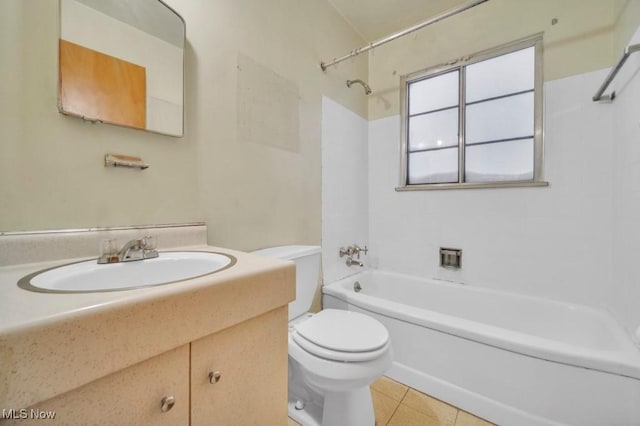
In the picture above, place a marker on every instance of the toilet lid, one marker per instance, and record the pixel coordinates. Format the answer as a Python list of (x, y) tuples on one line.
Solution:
[(343, 331), (342, 356)]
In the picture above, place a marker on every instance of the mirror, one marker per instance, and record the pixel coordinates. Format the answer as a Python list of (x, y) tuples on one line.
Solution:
[(122, 62)]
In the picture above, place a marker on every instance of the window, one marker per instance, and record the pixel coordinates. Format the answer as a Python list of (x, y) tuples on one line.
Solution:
[(476, 122)]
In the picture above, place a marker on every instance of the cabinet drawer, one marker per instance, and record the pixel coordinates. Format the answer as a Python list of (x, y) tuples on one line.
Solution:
[(130, 396)]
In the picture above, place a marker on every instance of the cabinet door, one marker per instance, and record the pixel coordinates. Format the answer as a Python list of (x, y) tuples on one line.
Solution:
[(251, 359), (128, 397)]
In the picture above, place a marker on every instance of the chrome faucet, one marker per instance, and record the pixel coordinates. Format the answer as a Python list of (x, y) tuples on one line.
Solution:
[(357, 249), (137, 249), (353, 250), (353, 262)]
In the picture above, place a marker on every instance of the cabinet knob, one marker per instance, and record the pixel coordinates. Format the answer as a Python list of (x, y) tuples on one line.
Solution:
[(167, 403), (214, 377)]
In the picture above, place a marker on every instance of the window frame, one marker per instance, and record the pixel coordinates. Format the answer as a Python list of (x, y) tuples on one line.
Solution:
[(460, 64)]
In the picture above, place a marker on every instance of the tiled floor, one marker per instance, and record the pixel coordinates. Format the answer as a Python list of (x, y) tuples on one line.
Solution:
[(397, 404)]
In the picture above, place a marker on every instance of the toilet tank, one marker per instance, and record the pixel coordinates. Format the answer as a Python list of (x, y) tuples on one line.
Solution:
[(307, 260)]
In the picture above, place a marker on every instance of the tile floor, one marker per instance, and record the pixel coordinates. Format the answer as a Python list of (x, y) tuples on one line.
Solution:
[(397, 404)]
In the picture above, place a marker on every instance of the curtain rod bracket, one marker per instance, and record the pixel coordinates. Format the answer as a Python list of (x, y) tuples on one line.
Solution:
[(633, 48)]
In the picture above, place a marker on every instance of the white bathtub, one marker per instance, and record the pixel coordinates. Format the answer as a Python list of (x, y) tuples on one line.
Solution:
[(512, 359)]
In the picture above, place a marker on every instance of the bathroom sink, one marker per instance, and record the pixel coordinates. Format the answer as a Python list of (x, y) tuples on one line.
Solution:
[(89, 276)]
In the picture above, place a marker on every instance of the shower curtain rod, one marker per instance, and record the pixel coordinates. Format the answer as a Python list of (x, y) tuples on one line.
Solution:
[(633, 48), (402, 33)]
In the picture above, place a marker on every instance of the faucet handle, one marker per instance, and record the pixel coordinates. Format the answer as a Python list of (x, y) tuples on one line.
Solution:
[(356, 249), (346, 251), (149, 245), (108, 247), (148, 242), (108, 251)]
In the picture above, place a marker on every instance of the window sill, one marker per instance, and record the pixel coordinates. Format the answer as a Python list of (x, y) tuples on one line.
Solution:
[(470, 185)]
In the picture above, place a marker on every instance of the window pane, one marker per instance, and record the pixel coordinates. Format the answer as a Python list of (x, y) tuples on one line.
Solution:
[(440, 166), (433, 130), (433, 93), (503, 118), (510, 73), (496, 162)]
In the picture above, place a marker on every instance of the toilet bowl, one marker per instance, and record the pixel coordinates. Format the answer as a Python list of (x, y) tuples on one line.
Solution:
[(342, 364), (334, 355)]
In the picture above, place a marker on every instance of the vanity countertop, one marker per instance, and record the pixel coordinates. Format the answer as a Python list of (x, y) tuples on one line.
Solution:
[(21, 309), (44, 336)]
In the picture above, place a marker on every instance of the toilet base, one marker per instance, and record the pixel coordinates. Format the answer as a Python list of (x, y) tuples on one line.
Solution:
[(353, 408), (310, 415), (299, 390)]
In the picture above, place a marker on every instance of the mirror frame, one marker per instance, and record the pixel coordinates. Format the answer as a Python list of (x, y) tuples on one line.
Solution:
[(97, 120)]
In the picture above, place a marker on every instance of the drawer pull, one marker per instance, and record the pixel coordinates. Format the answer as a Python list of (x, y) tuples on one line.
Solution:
[(214, 377), (167, 403)]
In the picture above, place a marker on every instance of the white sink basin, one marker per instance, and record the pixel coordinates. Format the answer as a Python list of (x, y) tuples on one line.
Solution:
[(89, 276)]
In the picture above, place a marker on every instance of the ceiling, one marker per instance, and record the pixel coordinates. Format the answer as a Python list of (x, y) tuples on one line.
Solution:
[(375, 19)]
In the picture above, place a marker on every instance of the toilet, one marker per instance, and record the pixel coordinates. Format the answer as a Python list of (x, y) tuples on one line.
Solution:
[(334, 355)]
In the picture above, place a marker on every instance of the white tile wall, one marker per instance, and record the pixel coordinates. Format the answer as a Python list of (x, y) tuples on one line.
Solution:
[(626, 183), (553, 242), (344, 187), (577, 240)]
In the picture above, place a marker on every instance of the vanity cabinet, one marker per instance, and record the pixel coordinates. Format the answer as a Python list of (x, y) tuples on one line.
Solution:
[(239, 375), (112, 357), (236, 376)]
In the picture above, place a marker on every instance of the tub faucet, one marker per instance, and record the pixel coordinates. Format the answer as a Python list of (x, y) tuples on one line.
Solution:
[(352, 262), (136, 249), (351, 251), (357, 249)]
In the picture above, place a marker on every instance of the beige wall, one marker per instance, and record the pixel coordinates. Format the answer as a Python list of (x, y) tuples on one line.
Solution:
[(253, 194), (250, 194), (627, 20), (581, 41), (51, 166)]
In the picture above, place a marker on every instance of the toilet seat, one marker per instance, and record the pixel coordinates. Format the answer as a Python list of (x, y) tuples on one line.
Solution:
[(342, 336), (329, 354)]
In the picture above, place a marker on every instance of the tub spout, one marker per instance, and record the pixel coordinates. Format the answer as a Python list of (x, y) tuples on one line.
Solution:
[(353, 262)]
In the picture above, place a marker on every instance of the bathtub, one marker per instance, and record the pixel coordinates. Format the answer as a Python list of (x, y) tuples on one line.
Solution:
[(512, 359)]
